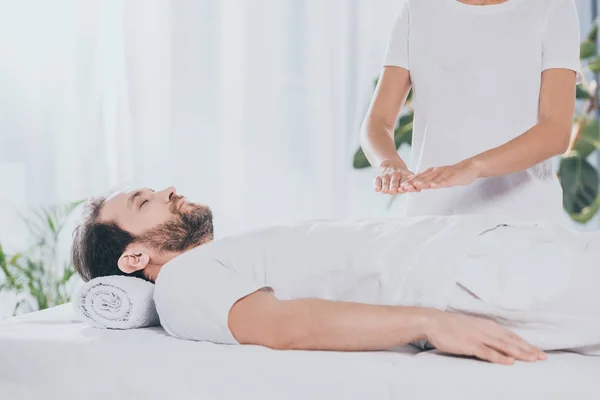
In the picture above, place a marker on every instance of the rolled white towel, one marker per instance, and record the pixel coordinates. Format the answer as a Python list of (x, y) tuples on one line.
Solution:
[(117, 302)]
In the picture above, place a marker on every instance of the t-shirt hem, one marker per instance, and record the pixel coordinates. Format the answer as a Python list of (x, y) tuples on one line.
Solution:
[(396, 64), (576, 68)]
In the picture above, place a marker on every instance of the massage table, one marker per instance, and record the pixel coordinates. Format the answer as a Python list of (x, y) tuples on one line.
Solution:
[(51, 355)]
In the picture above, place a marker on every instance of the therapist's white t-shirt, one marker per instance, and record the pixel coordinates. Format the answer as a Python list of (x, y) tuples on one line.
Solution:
[(476, 76), (411, 262)]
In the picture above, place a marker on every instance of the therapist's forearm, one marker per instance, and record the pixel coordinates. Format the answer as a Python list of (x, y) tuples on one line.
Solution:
[(543, 141), (377, 142), (342, 326)]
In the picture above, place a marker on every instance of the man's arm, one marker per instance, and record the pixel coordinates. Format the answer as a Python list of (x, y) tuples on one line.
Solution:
[(548, 138), (315, 324)]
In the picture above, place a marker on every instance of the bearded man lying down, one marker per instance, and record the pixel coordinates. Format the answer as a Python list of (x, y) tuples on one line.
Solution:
[(469, 285)]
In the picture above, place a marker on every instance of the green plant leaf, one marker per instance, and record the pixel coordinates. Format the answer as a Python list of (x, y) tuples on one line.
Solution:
[(5, 267), (587, 213), (32, 271), (581, 93), (360, 160), (2, 256), (580, 183), (14, 259), (28, 272), (51, 224), (594, 65), (68, 273), (589, 140), (410, 96), (593, 35), (587, 49), (403, 132)]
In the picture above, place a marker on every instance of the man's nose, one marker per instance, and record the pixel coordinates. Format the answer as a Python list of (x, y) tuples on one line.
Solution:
[(168, 193)]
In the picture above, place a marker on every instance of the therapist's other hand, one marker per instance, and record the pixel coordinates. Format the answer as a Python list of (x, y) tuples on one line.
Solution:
[(392, 174), (478, 337), (461, 174)]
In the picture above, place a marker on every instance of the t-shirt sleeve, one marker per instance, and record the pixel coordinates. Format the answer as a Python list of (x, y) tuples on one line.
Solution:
[(397, 49), (193, 300), (561, 38)]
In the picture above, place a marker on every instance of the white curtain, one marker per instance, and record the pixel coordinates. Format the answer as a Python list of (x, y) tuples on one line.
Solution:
[(266, 101), (251, 106)]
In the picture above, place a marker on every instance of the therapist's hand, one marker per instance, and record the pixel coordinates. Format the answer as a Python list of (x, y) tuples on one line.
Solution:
[(461, 174), (392, 174), (481, 338)]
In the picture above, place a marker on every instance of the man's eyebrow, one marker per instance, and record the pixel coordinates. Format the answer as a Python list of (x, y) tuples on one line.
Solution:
[(132, 198)]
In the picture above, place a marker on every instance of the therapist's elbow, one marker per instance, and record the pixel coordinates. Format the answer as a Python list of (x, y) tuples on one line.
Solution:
[(365, 137), (559, 133), (562, 142)]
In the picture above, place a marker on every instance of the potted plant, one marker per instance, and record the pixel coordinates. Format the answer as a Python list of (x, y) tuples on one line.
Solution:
[(35, 275)]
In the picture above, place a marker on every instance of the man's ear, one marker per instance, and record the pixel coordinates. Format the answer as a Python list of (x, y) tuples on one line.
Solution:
[(134, 258)]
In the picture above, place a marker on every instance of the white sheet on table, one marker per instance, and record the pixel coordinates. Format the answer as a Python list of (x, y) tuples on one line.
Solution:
[(51, 355)]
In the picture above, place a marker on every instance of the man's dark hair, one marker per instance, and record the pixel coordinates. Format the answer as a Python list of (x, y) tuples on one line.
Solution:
[(98, 245)]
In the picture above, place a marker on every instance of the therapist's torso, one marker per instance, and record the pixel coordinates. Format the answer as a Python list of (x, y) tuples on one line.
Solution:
[(476, 76)]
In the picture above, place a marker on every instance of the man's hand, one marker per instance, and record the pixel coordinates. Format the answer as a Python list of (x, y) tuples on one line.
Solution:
[(463, 173), (392, 174), (481, 338)]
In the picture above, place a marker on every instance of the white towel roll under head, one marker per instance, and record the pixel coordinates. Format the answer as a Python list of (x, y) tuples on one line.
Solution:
[(117, 302)]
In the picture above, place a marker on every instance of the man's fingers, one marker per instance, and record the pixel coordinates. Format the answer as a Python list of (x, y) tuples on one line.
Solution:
[(511, 350), (524, 345), (489, 354)]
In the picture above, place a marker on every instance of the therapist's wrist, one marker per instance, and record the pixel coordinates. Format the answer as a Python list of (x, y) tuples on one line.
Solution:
[(477, 166), (395, 163)]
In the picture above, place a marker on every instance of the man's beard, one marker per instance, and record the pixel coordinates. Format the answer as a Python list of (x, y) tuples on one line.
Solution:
[(187, 230)]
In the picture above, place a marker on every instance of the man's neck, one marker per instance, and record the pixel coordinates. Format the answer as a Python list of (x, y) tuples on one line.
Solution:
[(156, 263)]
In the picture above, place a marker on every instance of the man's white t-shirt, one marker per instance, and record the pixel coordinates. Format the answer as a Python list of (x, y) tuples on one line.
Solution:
[(410, 262), (476, 75)]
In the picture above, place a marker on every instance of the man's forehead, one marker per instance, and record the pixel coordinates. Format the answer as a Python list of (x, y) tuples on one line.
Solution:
[(123, 194), (116, 204)]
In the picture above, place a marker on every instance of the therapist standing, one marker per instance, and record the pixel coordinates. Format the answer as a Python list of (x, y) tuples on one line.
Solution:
[(494, 97)]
